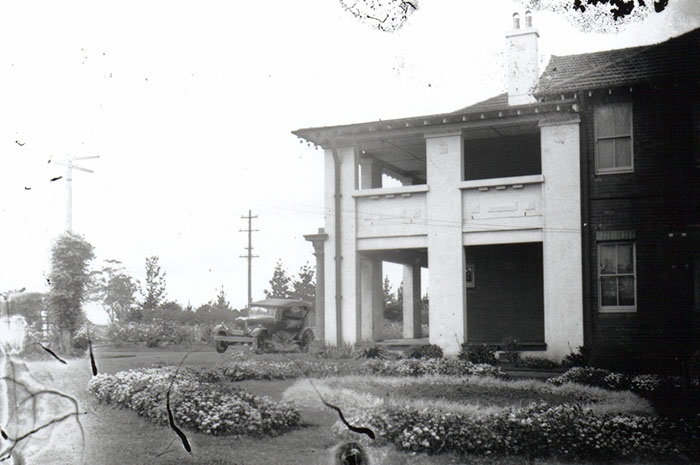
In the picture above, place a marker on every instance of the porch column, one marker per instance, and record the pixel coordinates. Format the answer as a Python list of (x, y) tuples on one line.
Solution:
[(411, 302), (341, 325), (372, 296), (561, 244), (448, 300), (317, 240), (370, 174)]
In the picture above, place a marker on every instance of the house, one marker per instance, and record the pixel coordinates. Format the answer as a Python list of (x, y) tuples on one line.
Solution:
[(559, 214)]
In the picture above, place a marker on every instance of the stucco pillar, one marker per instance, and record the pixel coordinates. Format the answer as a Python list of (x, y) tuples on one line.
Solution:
[(317, 240), (372, 296), (411, 302), (561, 245), (342, 325), (370, 174), (448, 300)]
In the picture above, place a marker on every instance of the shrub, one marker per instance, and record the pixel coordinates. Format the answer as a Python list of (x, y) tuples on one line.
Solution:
[(590, 377), (197, 404), (537, 363), (371, 352), (478, 353), (424, 351), (326, 351), (579, 358), (536, 430), (151, 334)]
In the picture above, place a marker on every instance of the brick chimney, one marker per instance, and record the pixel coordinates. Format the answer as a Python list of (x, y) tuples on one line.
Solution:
[(523, 68)]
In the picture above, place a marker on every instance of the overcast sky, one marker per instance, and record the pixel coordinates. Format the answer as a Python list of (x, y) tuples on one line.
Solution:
[(190, 106)]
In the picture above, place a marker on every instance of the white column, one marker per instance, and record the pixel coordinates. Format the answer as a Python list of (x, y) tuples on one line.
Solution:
[(562, 259), (372, 299), (411, 302), (349, 267), (448, 300)]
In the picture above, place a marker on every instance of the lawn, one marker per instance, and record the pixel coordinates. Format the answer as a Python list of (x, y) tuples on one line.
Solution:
[(117, 436)]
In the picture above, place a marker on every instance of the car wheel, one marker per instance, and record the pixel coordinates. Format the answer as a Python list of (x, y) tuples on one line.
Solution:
[(262, 342), (220, 346), (306, 340)]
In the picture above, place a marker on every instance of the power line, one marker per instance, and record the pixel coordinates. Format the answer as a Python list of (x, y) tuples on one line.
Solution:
[(249, 255)]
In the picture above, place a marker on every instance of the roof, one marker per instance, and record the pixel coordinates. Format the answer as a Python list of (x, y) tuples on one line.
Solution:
[(497, 102), (679, 56), (281, 303)]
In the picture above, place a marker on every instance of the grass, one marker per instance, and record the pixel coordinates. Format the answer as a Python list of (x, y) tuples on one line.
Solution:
[(114, 436)]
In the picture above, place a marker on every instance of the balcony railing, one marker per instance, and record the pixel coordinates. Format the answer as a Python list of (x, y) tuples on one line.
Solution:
[(502, 204), (391, 212)]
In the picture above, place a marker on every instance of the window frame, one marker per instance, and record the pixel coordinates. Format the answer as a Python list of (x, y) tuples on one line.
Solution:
[(596, 139), (616, 308), (696, 135)]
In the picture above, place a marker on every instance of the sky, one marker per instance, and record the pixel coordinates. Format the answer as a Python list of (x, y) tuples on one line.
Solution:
[(190, 107)]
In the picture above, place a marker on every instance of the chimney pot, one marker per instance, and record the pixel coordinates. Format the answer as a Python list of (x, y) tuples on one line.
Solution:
[(516, 21)]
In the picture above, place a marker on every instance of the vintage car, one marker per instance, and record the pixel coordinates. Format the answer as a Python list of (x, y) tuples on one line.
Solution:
[(270, 322)]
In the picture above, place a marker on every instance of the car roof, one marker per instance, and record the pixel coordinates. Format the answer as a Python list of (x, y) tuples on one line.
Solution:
[(281, 303)]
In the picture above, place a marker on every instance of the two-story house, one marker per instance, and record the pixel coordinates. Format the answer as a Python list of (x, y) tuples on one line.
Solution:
[(535, 211)]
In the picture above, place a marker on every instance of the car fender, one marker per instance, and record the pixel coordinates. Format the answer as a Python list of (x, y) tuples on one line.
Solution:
[(219, 328), (258, 331), (305, 331)]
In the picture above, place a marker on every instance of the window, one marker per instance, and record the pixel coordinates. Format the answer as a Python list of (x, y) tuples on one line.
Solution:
[(617, 277), (613, 138)]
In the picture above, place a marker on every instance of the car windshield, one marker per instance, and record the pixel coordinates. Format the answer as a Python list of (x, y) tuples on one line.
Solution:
[(261, 311)]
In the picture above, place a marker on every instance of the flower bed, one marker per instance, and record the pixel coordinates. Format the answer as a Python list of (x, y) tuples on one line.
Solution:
[(291, 369), (537, 430), (205, 407)]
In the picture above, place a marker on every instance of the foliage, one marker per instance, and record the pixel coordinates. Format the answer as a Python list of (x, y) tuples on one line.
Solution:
[(536, 430), (579, 358), (320, 349), (113, 286), (372, 351), (29, 305), (393, 307), (153, 334), (536, 363), (210, 408), (69, 278), (279, 283), (424, 351), (477, 353), (220, 303), (592, 377), (510, 352), (154, 291), (304, 286)]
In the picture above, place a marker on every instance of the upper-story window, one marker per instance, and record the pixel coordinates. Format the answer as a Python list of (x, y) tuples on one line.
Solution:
[(613, 138)]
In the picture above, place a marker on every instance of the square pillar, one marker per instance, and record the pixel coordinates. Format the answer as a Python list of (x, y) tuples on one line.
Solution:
[(411, 302), (561, 244), (372, 295), (342, 323), (370, 174), (448, 299)]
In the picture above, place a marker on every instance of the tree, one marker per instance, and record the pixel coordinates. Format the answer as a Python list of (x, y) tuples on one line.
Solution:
[(29, 305), (304, 286), (220, 303), (393, 310), (113, 286), (69, 278), (154, 291), (279, 284)]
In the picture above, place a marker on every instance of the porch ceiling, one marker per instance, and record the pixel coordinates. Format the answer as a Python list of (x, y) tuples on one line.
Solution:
[(402, 256)]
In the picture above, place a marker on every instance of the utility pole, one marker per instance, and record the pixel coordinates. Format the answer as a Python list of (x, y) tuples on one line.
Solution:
[(249, 255), (70, 166)]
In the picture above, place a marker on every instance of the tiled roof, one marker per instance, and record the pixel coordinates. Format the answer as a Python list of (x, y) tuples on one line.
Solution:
[(493, 103), (679, 56)]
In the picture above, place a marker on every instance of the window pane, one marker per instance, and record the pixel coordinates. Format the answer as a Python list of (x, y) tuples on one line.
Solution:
[(608, 292), (605, 121), (626, 290), (606, 154), (623, 120), (625, 261), (607, 259), (623, 153)]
